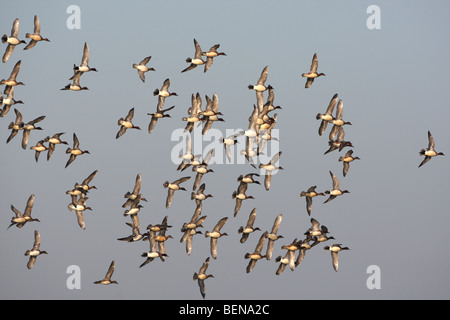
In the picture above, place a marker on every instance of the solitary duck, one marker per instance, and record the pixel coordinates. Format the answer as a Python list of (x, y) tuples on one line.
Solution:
[(260, 87), (84, 66), (249, 228), (142, 68), (19, 220), (52, 142), (200, 195), (346, 160), (38, 148), (201, 276), (12, 41), (160, 113), (172, 187), (197, 60), (256, 255), (328, 115), (75, 151), (215, 234), (27, 127), (430, 151), (11, 81), (335, 249), (35, 251), (154, 252), (309, 195), (107, 279), (269, 167), (335, 191), (36, 35), (8, 101), (211, 54), (15, 126), (131, 196), (126, 123), (163, 93), (338, 121), (240, 195), (312, 74), (273, 236)]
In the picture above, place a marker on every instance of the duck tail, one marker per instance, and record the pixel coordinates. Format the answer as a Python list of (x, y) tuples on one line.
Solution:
[(422, 152), (4, 38)]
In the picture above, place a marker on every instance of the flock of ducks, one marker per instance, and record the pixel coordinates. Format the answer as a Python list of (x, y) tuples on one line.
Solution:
[(261, 123)]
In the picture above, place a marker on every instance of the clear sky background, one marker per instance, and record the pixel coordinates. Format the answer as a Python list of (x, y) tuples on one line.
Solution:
[(393, 82)]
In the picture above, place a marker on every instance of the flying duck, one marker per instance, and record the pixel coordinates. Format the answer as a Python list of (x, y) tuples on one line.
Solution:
[(8, 102), (27, 127), (84, 66), (130, 196), (19, 220), (346, 160), (335, 249), (36, 35), (312, 74), (211, 54), (11, 81), (249, 228), (201, 276), (260, 87), (75, 150), (328, 115), (430, 151), (38, 148), (273, 236), (107, 279), (202, 169), (12, 41), (197, 60), (15, 126), (126, 123), (142, 68), (35, 251), (269, 167), (335, 191), (338, 121), (160, 113), (215, 234), (256, 255), (240, 195), (309, 194), (52, 142), (172, 187)]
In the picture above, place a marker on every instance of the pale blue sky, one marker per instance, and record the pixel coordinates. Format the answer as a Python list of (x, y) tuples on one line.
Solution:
[(393, 84)]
